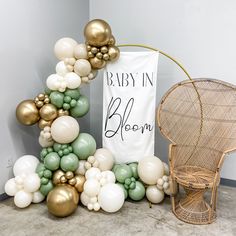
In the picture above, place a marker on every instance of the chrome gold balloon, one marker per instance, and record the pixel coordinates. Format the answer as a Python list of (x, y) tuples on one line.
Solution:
[(80, 179), (97, 63), (112, 41), (43, 123), (62, 112), (97, 32), (113, 53), (27, 113), (62, 200), (56, 179), (48, 112)]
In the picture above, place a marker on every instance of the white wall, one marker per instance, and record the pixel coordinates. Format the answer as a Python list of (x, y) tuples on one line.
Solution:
[(29, 29), (199, 33)]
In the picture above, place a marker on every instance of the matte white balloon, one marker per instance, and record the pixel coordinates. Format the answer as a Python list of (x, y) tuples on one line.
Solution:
[(84, 199), (64, 48), (154, 195), (23, 199), (110, 176), (105, 158), (11, 187), (65, 129), (92, 173), (53, 81), (32, 183), (37, 197), (73, 81), (91, 187), (61, 68), (166, 169), (82, 67), (26, 164), (111, 197), (150, 169), (81, 169), (80, 51)]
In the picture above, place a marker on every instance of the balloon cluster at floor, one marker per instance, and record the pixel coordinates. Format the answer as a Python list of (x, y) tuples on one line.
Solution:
[(71, 168)]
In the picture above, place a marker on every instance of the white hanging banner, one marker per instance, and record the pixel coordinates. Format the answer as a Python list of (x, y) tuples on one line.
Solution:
[(129, 105)]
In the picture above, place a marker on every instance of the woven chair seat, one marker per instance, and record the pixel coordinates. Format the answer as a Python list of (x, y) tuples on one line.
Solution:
[(194, 177)]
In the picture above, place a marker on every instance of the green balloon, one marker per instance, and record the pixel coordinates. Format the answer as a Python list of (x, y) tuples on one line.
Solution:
[(46, 188), (125, 191), (47, 174), (73, 93), (134, 169), (81, 108), (56, 99), (57, 147), (47, 90), (44, 180), (84, 146), (138, 193), (123, 172), (52, 161), (69, 162), (40, 167), (115, 167)]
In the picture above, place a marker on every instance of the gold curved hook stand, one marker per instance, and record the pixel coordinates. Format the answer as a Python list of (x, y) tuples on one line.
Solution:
[(161, 52)]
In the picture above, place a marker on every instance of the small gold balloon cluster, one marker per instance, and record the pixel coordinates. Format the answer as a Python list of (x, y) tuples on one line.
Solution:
[(41, 99), (100, 43), (61, 177)]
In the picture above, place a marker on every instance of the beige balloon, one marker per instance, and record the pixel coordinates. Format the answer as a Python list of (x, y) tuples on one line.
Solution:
[(105, 159), (64, 48), (82, 67), (154, 195), (80, 51)]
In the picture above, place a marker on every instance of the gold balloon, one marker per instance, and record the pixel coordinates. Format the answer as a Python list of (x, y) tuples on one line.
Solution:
[(80, 179), (97, 32), (97, 63), (62, 200), (56, 179), (27, 112), (72, 181), (69, 174), (113, 53), (43, 123), (48, 112), (62, 112), (112, 41), (63, 179)]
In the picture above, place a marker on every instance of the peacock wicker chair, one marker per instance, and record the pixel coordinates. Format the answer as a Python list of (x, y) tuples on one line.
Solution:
[(199, 118)]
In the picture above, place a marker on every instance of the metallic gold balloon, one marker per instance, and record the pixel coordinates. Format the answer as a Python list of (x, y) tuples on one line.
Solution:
[(72, 181), (69, 174), (63, 179), (56, 179), (62, 200), (43, 123), (112, 41), (105, 57), (99, 55), (27, 112), (62, 112), (97, 32), (97, 63), (80, 179), (113, 53), (104, 49), (48, 112)]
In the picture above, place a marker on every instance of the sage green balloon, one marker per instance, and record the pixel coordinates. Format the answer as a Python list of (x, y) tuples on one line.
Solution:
[(115, 167), (46, 188), (73, 93), (138, 193), (52, 161), (81, 108), (134, 169), (123, 172), (57, 147), (69, 162), (40, 168), (125, 191), (56, 99), (84, 146)]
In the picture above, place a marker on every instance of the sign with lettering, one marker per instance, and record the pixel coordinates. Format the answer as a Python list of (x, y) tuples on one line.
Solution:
[(129, 103)]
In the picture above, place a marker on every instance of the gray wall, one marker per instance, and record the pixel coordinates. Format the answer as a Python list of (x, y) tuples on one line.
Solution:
[(199, 33), (29, 29)]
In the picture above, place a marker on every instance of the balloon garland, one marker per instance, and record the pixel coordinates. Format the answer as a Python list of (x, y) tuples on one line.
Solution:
[(71, 166)]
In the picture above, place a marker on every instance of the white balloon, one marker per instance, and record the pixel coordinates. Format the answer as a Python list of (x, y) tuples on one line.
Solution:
[(19, 179), (32, 183), (81, 169), (73, 81), (150, 169), (45, 142), (111, 197), (105, 158), (110, 176), (23, 199), (64, 48), (154, 195), (166, 169), (84, 199), (91, 187), (92, 173), (53, 81), (61, 68), (37, 197), (82, 67), (80, 51), (11, 187), (96, 206), (65, 129), (26, 164)]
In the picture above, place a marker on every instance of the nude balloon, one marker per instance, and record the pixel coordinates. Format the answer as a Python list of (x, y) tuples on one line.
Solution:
[(105, 159), (23, 199), (64, 48), (154, 195), (80, 51)]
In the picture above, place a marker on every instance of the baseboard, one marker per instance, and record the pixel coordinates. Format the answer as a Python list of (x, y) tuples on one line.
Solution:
[(228, 182)]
